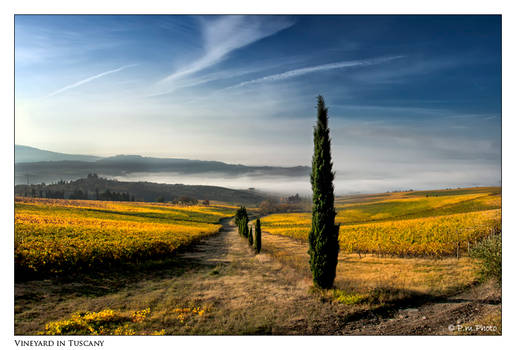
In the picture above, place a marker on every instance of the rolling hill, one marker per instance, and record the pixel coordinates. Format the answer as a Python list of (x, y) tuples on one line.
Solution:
[(45, 166), (27, 154), (144, 191)]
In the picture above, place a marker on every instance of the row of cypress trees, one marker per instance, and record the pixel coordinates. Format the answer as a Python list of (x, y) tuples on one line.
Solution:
[(242, 223), (242, 220)]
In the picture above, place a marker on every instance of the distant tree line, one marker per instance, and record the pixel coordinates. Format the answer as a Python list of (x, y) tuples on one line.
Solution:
[(290, 204), (292, 199), (43, 191), (185, 200), (397, 191), (54, 194), (39, 191), (143, 191), (115, 196), (78, 194)]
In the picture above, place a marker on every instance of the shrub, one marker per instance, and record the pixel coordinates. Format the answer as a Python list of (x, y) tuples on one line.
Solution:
[(489, 255)]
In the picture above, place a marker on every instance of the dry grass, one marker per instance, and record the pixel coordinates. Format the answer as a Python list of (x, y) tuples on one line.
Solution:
[(366, 274), (418, 275)]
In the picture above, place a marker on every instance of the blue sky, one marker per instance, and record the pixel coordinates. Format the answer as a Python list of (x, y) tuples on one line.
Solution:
[(413, 100)]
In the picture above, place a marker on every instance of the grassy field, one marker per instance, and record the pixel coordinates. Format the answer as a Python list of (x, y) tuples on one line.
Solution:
[(427, 223), (373, 279), (61, 236)]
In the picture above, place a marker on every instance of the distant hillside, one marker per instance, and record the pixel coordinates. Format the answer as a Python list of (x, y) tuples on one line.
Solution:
[(65, 167), (142, 191), (25, 154)]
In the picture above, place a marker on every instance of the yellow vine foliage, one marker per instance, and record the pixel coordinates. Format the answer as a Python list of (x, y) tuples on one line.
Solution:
[(56, 236), (113, 322), (391, 226), (105, 322)]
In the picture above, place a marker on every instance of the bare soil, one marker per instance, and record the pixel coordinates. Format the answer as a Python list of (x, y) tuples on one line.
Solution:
[(445, 316)]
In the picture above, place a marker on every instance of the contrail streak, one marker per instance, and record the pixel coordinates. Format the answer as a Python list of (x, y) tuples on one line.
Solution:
[(87, 80), (302, 71)]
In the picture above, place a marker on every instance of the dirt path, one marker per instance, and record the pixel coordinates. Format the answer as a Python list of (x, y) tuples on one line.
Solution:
[(255, 293), (242, 293)]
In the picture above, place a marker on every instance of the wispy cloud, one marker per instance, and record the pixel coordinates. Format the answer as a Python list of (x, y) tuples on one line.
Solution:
[(417, 66), (87, 80), (225, 34), (302, 71)]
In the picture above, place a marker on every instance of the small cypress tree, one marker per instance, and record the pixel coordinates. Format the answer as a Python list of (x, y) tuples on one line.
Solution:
[(245, 229), (324, 236), (240, 219), (250, 237), (257, 236)]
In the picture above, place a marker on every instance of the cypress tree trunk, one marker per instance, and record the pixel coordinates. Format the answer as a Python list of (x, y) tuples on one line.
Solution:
[(257, 236), (324, 235)]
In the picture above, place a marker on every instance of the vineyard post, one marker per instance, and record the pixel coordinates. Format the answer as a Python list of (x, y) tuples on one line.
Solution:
[(458, 244)]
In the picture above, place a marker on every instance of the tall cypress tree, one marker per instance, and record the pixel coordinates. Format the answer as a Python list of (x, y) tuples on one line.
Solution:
[(258, 236), (324, 235)]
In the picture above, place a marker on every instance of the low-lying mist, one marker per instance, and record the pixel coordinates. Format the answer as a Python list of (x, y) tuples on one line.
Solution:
[(267, 183), (344, 183)]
